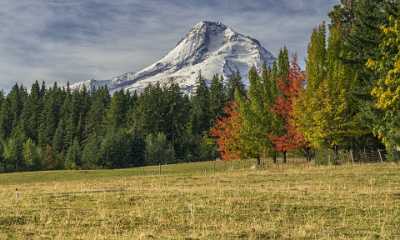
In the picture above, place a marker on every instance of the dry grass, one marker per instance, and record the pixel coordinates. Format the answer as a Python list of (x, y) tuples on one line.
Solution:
[(292, 202)]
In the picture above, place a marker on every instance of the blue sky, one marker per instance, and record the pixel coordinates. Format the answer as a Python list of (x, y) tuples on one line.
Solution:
[(72, 40)]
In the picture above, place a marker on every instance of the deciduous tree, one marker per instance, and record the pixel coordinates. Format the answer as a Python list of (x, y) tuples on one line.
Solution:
[(290, 88), (227, 132)]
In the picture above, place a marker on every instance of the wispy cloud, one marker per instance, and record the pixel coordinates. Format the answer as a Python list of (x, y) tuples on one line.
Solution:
[(56, 40)]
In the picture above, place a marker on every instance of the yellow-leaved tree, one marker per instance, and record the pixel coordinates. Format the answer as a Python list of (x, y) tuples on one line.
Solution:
[(387, 89)]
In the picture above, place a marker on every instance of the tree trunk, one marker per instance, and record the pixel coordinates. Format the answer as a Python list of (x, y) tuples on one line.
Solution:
[(284, 157), (258, 161), (307, 154), (335, 154), (274, 158)]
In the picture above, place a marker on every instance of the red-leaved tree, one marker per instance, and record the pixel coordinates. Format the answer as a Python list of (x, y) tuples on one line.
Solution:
[(227, 132), (291, 138)]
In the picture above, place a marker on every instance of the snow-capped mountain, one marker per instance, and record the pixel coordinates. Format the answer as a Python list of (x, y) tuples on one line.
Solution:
[(210, 48)]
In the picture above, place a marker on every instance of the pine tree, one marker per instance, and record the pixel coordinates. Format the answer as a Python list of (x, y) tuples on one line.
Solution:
[(31, 155), (117, 112), (5, 119), (97, 112), (16, 99), (3, 160), (11, 110), (43, 89), (50, 115), (73, 157), (11, 154), (359, 23), (363, 36), (1, 98), (13, 149), (31, 112), (117, 150), (146, 117), (234, 84), (59, 137), (159, 150), (136, 152), (82, 130), (174, 111), (91, 154), (217, 97), (200, 116), (283, 66), (69, 116), (51, 160), (208, 149)]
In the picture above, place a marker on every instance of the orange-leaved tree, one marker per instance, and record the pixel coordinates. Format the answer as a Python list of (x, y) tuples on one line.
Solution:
[(290, 138), (227, 132)]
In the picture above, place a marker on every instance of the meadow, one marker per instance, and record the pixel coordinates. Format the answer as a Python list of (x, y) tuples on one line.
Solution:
[(209, 200)]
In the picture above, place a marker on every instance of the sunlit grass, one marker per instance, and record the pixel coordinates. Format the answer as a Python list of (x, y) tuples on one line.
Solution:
[(203, 201)]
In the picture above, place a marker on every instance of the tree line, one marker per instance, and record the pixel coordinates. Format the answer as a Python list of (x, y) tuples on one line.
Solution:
[(55, 127)]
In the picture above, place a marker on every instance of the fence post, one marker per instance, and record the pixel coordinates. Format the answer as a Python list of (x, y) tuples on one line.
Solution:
[(380, 155), (159, 169), (329, 158), (215, 162), (352, 156)]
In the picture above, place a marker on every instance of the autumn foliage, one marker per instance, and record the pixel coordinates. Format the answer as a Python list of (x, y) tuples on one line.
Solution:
[(291, 138), (227, 129), (227, 132)]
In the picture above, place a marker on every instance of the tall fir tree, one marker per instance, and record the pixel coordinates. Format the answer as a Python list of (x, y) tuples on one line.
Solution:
[(159, 150), (234, 84), (97, 112), (5, 119), (73, 157), (200, 115), (217, 97), (31, 155), (91, 156), (3, 161), (50, 115), (359, 23), (118, 110), (32, 111)]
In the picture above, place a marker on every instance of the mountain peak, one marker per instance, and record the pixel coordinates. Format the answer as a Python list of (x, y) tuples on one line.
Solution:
[(209, 24), (210, 28), (210, 48)]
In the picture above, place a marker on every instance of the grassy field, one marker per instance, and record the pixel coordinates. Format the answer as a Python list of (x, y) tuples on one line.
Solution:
[(204, 201)]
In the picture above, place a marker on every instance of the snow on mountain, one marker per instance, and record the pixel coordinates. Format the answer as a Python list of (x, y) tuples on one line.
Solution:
[(91, 84), (210, 48)]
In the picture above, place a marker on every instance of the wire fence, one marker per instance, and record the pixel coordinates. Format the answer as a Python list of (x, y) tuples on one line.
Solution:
[(320, 157), (327, 156)]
